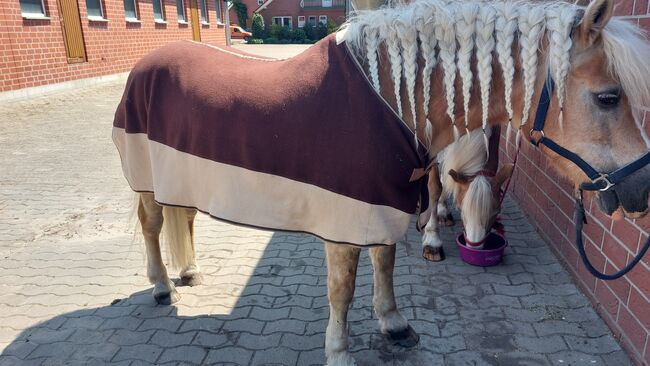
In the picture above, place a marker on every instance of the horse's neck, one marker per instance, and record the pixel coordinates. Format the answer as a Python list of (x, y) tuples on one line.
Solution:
[(442, 131)]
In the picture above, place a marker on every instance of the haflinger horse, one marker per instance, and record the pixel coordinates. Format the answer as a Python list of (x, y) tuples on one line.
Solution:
[(335, 141), (467, 173)]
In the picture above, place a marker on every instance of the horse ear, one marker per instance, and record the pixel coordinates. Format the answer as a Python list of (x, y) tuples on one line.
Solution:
[(458, 177), (502, 176), (595, 19)]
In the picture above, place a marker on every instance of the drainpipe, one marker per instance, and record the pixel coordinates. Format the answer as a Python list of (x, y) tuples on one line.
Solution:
[(227, 19)]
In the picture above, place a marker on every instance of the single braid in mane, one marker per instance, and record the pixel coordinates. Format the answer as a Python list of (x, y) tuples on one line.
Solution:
[(465, 26), (531, 28), (409, 45), (445, 34), (428, 45), (559, 21), (371, 35), (484, 46), (506, 28), (391, 40)]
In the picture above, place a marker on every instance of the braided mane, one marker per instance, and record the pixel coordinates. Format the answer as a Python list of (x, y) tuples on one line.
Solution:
[(453, 34)]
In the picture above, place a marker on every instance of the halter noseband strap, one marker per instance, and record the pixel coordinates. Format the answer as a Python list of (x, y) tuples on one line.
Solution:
[(599, 181)]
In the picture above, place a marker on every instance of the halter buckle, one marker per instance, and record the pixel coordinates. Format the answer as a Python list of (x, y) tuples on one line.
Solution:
[(532, 137), (603, 178)]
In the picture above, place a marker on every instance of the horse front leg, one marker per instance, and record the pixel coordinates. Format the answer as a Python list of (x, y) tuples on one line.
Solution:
[(191, 274), (391, 322), (151, 219), (342, 261), (431, 242)]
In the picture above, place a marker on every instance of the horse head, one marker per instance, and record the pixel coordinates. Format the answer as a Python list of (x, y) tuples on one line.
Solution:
[(601, 120)]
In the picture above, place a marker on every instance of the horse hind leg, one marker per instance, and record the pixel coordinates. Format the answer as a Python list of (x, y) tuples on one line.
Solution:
[(342, 261), (191, 274), (150, 215), (391, 322)]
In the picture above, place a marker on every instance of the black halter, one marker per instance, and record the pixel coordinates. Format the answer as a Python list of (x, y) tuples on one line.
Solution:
[(599, 181)]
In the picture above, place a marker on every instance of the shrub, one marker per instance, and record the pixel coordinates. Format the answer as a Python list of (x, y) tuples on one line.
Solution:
[(284, 33), (255, 41), (320, 31), (258, 26), (298, 35), (273, 31), (331, 26), (309, 31), (271, 40)]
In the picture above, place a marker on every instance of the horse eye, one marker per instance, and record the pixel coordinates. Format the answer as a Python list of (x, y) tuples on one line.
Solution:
[(608, 99)]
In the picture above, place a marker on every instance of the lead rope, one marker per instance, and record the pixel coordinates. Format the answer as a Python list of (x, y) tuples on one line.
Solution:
[(581, 219)]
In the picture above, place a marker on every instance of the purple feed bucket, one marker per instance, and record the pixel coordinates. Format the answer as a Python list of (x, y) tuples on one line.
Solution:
[(490, 255)]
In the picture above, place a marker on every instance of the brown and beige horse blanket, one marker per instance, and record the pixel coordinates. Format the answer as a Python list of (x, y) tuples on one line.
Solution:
[(303, 144)]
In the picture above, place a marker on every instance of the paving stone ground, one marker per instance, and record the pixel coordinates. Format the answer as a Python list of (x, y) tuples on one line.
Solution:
[(74, 291)]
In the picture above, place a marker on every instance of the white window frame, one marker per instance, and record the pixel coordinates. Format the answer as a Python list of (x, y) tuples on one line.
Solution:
[(315, 20), (41, 15), (203, 12), (320, 19), (137, 15), (101, 17), (162, 19), (219, 7), (184, 20), (283, 17), (301, 21)]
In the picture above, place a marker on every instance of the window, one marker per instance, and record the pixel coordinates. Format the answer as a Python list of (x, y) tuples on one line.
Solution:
[(260, 2), (326, 3), (218, 7), (283, 21), (204, 11), (130, 12), (32, 8), (180, 10), (312, 20), (301, 21), (95, 10), (158, 15), (322, 19)]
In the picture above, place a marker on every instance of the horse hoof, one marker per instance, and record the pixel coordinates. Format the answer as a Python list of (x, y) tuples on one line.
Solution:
[(167, 298), (433, 254), (193, 279), (406, 338)]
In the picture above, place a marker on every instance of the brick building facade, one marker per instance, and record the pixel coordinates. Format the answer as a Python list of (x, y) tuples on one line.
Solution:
[(39, 49), (547, 200), (316, 9)]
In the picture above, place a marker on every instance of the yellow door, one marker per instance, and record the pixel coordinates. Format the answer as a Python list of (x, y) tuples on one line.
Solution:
[(194, 18), (72, 34)]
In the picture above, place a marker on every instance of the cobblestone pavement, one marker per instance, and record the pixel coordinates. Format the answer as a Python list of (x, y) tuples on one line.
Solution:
[(74, 289)]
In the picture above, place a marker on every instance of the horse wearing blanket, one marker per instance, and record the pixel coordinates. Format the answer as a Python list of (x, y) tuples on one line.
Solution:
[(342, 157)]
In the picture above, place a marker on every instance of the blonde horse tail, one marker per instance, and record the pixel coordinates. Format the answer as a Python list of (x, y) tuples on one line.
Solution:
[(177, 238)]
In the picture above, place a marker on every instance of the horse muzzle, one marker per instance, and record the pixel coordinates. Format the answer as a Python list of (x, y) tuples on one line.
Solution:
[(630, 196)]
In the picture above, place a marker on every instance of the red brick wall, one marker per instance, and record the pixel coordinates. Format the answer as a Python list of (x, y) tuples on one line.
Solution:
[(546, 199), (292, 8), (32, 52)]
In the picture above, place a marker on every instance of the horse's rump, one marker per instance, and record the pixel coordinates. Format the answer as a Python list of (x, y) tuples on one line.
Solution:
[(300, 145)]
